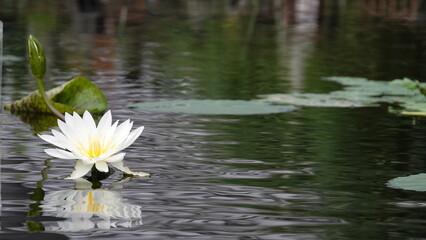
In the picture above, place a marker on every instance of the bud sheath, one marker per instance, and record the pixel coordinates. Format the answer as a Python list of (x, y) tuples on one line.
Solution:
[(36, 57)]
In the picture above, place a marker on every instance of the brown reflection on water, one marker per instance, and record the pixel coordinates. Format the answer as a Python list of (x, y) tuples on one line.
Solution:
[(392, 9)]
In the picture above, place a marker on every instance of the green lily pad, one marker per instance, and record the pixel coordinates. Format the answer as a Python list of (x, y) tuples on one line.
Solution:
[(411, 108), (366, 87), (414, 106), (407, 83), (412, 85), (313, 100), (348, 81), (362, 96), (406, 94), (382, 89), (79, 94), (415, 182), (215, 107)]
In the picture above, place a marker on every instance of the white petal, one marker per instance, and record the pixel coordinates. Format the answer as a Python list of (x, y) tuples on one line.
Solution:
[(61, 138), (64, 128), (105, 121), (131, 138), (53, 140), (119, 165), (69, 133), (69, 122), (75, 116), (58, 153), (105, 155), (80, 170), (102, 166), (78, 125), (64, 140), (90, 123), (68, 118), (86, 160), (122, 132), (74, 139), (107, 138), (115, 158)]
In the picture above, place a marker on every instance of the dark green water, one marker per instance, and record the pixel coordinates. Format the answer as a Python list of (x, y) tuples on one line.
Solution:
[(314, 173)]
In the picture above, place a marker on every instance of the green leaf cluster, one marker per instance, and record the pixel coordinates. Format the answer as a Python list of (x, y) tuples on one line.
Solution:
[(408, 95), (77, 95)]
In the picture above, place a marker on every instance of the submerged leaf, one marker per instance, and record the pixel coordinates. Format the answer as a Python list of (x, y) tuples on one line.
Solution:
[(415, 182), (217, 107), (77, 95), (39, 122)]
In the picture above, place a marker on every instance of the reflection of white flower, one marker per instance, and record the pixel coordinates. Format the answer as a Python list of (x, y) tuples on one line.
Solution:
[(88, 209), (93, 145), (87, 224), (88, 203)]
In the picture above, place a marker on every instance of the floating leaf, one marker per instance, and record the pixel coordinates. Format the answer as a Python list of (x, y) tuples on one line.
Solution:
[(312, 100), (382, 89), (376, 88), (415, 182), (355, 95), (414, 106), (217, 107), (407, 83), (78, 95), (360, 92), (348, 81), (412, 85)]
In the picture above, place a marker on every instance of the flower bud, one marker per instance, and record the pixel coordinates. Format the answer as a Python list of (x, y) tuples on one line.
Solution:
[(36, 57)]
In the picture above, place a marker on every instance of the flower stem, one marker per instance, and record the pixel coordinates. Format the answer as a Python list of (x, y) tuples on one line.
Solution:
[(47, 101)]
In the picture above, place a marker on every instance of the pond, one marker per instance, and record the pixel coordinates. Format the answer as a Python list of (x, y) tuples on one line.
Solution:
[(310, 173)]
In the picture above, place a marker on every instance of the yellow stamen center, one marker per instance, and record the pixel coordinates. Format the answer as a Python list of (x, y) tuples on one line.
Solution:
[(96, 147)]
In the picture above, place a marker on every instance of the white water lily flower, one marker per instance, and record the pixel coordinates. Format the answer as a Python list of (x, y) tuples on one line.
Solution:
[(93, 145)]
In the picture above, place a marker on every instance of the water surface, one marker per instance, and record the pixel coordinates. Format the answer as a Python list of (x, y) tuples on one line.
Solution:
[(314, 173)]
